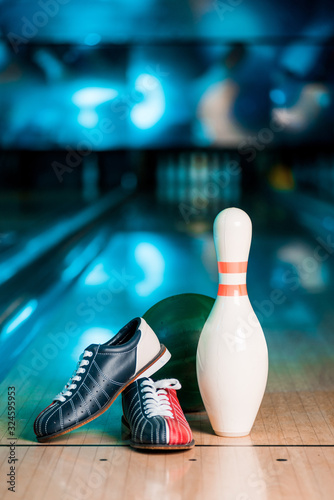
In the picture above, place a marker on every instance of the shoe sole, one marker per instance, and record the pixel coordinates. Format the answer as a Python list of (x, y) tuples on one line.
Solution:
[(162, 447), (148, 370), (126, 434)]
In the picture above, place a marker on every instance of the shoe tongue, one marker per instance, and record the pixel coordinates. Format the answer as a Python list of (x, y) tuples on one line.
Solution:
[(168, 383), (92, 347)]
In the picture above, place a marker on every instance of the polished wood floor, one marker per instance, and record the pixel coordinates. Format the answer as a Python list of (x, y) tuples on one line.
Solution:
[(288, 455), (290, 451)]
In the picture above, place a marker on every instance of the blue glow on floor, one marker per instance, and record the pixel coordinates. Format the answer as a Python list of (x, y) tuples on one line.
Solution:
[(152, 263), (20, 317), (97, 276), (79, 263)]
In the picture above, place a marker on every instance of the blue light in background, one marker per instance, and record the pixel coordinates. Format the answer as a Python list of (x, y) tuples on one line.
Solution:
[(151, 261), (87, 99), (324, 99), (296, 258), (95, 335), (129, 180), (90, 97), (49, 63), (92, 39), (328, 223), (300, 58), (4, 54), (20, 317), (88, 118), (278, 97), (147, 113), (97, 276), (239, 22)]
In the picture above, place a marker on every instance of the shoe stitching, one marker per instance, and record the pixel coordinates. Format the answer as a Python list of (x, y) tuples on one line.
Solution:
[(61, 419), (158, 432), (45, 414), (152, 430), (59, 407), (105, 376), (98, 385), (69, 399), (164, 433), (137, 425), (74, 411), (84, 402), (138, 421), (157, 428), (142, 431), (90, 392), (118, 353), (135, 404), (41, 417), (160, 421), (134, 417), (47, 421)]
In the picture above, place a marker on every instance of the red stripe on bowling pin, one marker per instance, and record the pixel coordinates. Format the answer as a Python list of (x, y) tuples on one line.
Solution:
[(232, 290), (232, 267)]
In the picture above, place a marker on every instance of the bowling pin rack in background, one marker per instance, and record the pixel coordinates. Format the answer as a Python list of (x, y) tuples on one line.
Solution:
[(203, 180)]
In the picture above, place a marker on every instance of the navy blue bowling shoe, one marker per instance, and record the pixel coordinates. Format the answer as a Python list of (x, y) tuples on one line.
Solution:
[(102, 373)]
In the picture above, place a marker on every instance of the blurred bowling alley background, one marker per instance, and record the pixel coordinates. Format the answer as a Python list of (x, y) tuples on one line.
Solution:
[(125, 127)]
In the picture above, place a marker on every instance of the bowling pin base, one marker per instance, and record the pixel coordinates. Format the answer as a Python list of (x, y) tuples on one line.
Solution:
[(231, 434)]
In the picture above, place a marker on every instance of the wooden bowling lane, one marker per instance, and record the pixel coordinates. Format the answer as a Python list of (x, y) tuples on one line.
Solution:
[(290, 451), (289, 454), (297, 408), (211, 472)]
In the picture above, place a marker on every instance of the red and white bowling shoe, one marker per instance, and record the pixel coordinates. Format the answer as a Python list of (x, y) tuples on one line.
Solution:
[(152, 415)]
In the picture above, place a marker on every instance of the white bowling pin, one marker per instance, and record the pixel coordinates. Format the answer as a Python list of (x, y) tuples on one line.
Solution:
[(232, 355)]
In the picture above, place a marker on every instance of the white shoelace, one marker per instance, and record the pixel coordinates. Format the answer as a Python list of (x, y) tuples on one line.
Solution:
[(156, 401), (75, 377)]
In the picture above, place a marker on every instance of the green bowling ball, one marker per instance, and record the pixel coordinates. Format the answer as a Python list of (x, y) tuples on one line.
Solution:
[(178, 322)]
